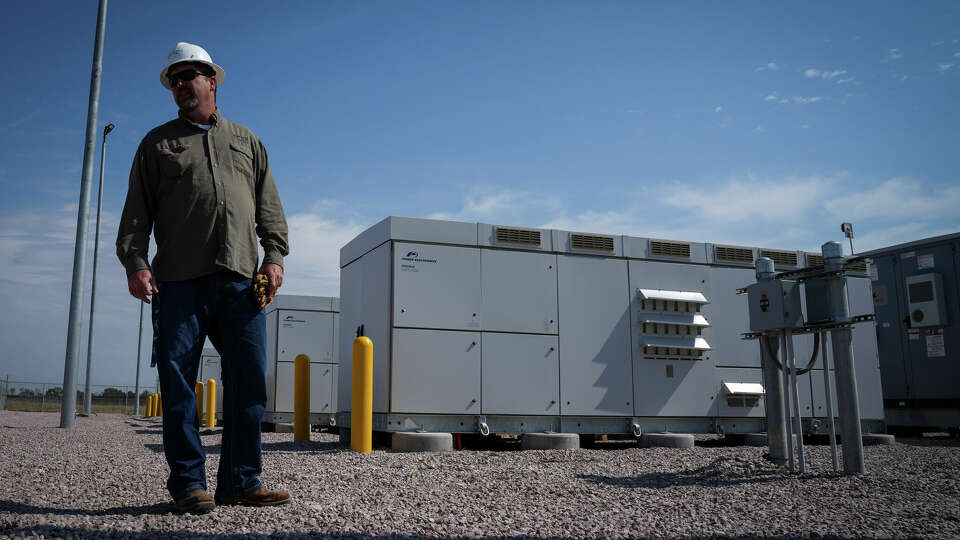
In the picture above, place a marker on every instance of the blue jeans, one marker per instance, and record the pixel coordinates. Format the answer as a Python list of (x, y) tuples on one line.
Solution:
[(219, 306)]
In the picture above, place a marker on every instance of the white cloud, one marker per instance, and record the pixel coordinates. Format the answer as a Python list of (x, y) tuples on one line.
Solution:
[(717, 109), (784, 100), (739, 200), (805, 100), (845, 81), (944, 67), (772, 66), (771, 97), (894, 54), (897, 198), (956, 54), (313, 266), (826, 75)]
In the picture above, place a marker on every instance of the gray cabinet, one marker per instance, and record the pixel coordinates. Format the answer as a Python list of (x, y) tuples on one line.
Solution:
[(436, 286), (595, 367), (306, 332), (519, 291), (521, 374), (435, 372)]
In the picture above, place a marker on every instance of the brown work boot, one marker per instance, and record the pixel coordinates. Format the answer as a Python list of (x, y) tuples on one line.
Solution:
[(261, 497), (195, 501)]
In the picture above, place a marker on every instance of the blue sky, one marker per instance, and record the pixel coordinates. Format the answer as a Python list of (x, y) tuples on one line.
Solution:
[(753, 123)]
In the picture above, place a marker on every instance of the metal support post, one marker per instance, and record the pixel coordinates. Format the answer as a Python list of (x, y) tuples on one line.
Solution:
[(826, 392), (788, 414), (68, 407), (848, 402), (773, 401), (791, 365), (87, 396)]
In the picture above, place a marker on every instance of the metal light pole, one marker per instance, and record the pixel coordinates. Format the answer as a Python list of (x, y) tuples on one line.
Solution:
[(136, 390), (87, 396), (68, 404)]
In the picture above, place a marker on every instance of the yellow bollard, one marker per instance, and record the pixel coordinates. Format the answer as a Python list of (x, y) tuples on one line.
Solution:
[(150, 405), (361, 414), (199, 392), (211, 402), (301, 398), (159, 404)]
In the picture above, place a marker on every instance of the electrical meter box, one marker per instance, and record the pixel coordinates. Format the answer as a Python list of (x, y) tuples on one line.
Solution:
[(774, 304), (926, 303)]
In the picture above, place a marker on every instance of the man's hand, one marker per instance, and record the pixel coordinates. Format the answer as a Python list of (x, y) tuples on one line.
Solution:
[(141, 285), (274, 273)]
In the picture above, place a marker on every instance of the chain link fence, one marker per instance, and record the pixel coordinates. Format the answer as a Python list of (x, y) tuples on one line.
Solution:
[(47, 397)]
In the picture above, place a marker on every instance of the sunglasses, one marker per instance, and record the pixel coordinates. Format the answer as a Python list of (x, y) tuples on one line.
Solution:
[(186, 75)]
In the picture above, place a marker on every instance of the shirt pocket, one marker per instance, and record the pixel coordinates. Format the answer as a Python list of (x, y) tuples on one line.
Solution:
[(242, 159)]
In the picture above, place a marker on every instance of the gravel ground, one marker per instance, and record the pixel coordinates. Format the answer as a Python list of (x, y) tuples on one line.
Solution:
[(105, 479)]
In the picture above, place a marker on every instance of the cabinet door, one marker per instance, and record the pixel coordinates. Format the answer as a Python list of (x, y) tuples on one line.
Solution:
[(305, 332), (436, 287), (519, 291), (435, 372), (595, 367), (521, 374), (321, 388)]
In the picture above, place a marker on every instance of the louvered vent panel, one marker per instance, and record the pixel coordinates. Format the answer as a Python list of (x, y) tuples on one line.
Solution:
[(526, 237), (858, 267), (814, 260), (734, 254), (669, 249), (592, 241), (785, 258)]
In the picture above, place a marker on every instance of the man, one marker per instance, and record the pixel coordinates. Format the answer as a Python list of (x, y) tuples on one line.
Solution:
[(203, 185)]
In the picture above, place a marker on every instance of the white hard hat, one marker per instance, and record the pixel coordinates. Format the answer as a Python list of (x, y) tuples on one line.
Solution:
[(188, 52)]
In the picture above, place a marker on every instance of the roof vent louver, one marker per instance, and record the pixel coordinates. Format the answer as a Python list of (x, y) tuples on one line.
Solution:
[(591, 241), (527, 237), (780, 258), (814, 259), (859, 266), (734, 254), (669, 249)]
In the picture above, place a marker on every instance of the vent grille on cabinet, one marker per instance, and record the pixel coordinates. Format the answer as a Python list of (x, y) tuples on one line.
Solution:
[(784, 258), (528, 237), (734, 254), (669, 249), (592, 241), (814, 259)]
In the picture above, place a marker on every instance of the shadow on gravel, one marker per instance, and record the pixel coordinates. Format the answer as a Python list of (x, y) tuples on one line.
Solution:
[(311, 447), (73, 532), (723, 471), (27, 509)]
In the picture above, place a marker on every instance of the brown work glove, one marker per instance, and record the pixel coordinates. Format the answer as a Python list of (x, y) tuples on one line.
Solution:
[(259, 287)]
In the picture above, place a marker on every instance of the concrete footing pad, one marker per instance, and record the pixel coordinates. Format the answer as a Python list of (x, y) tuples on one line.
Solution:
[(550, 441), (666, 440), (873, 439), (421, 442)]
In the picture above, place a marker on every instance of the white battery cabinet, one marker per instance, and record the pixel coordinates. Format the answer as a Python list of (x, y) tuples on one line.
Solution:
[(479, 327), (302, 325)]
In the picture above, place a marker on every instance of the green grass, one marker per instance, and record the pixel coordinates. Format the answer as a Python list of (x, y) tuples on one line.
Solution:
[(53, 405)]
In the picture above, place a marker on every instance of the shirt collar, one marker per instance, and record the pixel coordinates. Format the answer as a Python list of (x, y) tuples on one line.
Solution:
[(214, 118)]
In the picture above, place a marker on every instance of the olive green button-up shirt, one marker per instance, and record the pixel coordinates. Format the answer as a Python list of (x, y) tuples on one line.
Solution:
[(206, 195)]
